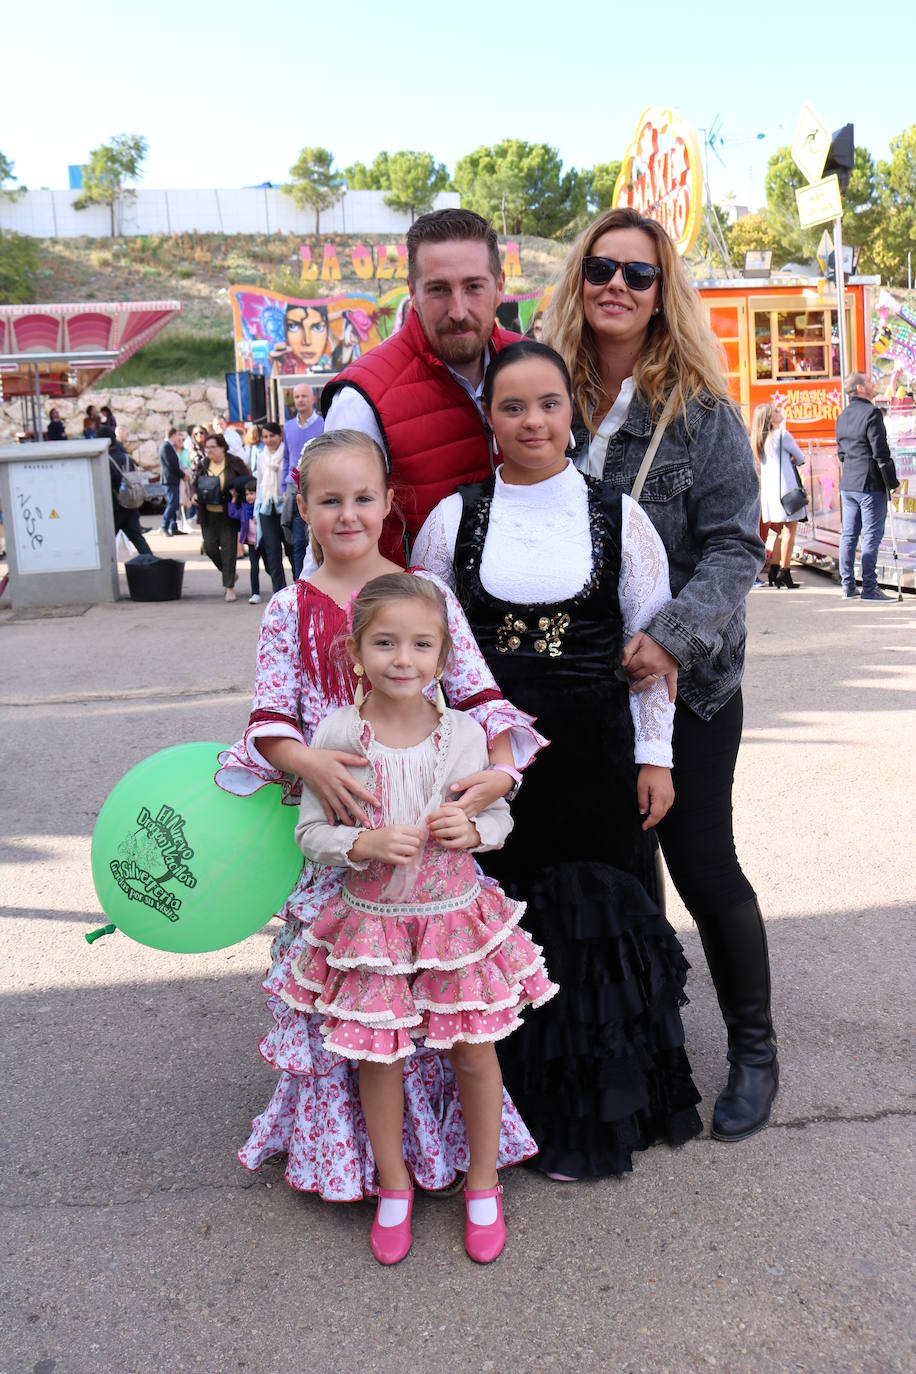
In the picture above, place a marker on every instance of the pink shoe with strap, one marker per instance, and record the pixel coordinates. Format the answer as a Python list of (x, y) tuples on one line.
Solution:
[(390, 1244), (484, 1243)]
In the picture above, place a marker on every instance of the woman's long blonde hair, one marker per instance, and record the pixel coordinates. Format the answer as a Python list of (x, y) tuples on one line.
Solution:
[(762, 425), (681, 354)]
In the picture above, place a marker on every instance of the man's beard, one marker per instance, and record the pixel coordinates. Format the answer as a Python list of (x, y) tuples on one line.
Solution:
[(459, 348)]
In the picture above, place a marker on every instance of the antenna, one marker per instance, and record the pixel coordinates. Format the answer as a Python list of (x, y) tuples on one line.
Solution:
[(712, 140)]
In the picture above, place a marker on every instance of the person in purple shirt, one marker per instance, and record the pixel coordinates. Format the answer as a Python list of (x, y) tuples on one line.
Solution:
[(297, 432)]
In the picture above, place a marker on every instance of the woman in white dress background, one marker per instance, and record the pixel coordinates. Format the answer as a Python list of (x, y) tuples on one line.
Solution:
[(777, 456)]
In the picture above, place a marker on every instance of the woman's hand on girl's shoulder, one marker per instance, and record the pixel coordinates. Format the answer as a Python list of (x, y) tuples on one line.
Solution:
[(654, 793)]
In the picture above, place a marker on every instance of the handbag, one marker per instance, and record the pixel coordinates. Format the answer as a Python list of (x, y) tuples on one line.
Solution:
[(287, 510), (132, 492), (209, 491), (795, 500)]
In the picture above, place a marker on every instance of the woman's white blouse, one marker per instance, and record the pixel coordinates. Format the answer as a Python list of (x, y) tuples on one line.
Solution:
[(538, 549)]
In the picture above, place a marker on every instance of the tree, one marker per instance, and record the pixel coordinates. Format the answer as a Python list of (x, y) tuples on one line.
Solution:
[(18, 269), (315, 183), (599, 185), (415, 179), (7, 173), (377, 177), (522, 185), (783, 179), (110, 167), (749, 234), (859, 205), (894, 232)]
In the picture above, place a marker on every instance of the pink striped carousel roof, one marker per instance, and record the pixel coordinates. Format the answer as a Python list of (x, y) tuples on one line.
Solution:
[(73, 345)]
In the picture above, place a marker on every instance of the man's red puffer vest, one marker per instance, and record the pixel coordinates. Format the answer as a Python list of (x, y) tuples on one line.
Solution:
[(433, 432)]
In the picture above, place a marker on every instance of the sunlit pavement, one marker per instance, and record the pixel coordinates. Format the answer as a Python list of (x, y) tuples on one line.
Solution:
[(133, 1241)]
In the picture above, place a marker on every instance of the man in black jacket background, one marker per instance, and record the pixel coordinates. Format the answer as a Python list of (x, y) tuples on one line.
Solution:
[(170, 476), (867, 479)]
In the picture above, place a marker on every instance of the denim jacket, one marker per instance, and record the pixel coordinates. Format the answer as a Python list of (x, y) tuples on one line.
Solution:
[(703, 497)]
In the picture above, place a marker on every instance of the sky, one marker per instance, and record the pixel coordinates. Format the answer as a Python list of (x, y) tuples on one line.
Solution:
[(227, 94)]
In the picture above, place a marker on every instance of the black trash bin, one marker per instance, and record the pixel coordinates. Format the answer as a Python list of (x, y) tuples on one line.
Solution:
[(154, 579)]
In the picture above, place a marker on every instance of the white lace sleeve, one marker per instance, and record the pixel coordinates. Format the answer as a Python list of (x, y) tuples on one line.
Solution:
[(434, 546), (644, 589)]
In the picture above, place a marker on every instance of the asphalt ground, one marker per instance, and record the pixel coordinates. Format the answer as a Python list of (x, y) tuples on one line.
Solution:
[(132, 1240)]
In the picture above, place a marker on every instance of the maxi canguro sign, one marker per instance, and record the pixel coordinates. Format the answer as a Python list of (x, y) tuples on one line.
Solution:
[(661, 175)]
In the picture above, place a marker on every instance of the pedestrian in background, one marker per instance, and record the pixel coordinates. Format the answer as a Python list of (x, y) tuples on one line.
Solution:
[(777, 456), (210, 489), (242, 508), (268, 502), (253, 447), (868, 477), (233, 439), (56, 429), (297, 432), (170, 476), (126, 519)]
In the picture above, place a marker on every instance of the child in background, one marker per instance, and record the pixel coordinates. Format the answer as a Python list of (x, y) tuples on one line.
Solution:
[(413, 946), (249, 534)]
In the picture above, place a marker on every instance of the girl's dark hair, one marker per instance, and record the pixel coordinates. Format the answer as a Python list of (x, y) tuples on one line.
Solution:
[(517, 353)]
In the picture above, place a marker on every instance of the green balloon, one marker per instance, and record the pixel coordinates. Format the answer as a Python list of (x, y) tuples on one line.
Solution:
[(179, 864)]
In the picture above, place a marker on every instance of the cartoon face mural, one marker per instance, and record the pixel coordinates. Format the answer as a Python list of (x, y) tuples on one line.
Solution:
[(286, 336), (306, 329), (282, 336)]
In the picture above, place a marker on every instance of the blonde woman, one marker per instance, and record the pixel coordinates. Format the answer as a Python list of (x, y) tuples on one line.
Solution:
[(777, 455), (630, 328)]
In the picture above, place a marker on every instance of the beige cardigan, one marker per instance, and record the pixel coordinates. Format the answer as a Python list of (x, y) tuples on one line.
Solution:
[(464, 752)]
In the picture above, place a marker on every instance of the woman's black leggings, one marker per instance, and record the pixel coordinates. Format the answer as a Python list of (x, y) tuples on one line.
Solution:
[(696, 836)]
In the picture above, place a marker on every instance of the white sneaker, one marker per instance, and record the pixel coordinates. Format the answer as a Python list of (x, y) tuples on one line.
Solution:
[(230, 595), (254, 599)]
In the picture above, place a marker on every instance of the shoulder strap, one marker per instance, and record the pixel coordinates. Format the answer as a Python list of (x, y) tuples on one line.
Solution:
[(663, 422)]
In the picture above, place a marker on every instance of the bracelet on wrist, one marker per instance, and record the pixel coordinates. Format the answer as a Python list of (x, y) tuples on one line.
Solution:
[(513, 773)]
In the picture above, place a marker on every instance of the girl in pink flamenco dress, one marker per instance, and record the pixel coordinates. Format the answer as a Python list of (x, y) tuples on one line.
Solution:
[(414, 946), (314, 1116)]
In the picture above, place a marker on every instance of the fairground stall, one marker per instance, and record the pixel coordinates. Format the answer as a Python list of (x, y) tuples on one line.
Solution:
[(779, 337)]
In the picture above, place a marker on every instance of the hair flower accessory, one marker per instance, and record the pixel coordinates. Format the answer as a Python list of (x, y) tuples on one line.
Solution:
[(348, 609)]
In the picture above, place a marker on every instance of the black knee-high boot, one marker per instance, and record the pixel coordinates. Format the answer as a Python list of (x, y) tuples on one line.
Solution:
[(735, 944)]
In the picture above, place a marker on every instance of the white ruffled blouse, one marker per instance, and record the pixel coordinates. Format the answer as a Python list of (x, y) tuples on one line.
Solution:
[(538, 549)]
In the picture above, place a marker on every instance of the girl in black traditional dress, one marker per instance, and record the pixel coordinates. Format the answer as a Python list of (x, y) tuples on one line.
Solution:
[(555, 573)]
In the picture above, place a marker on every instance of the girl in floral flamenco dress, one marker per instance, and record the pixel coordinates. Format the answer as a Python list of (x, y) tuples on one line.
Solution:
[(303, 672), (414, 945)]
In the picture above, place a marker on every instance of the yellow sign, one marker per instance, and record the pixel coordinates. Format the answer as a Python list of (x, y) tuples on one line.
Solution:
[(661, 176), (819, 202), (811, 145)]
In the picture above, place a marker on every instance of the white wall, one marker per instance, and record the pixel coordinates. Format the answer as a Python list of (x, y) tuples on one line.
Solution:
[(50, 214)]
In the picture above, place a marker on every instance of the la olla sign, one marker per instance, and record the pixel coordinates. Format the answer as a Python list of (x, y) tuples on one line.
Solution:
[(661, 176)]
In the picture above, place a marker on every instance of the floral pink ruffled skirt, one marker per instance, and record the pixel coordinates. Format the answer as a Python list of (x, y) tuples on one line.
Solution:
[(447, 965)]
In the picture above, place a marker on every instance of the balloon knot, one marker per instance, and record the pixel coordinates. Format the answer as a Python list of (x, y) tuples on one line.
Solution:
[(93, 935)]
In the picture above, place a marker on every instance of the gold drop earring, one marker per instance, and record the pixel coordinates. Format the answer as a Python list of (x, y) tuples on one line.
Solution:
[(358, 695)]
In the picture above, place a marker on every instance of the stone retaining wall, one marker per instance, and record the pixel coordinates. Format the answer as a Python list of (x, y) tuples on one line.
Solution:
[(146, 411)]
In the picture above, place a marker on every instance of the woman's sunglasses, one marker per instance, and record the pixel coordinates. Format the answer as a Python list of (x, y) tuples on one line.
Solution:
[(638, 276)]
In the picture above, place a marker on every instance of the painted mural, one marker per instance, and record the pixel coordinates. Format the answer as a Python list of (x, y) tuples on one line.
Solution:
[(287, 336)]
